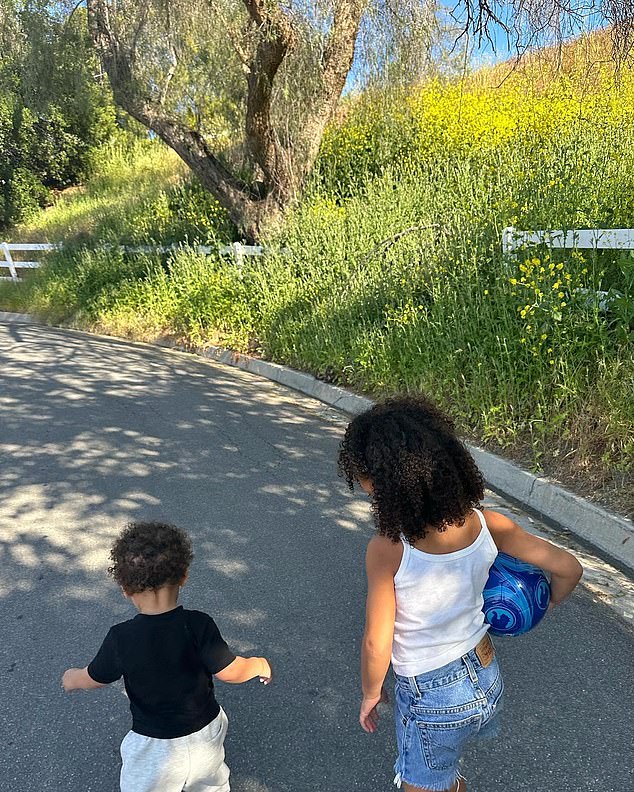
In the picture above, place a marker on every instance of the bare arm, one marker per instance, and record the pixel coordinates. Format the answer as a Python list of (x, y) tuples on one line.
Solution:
[(244, 668), (382, 561), (564, 568), (79, 679)]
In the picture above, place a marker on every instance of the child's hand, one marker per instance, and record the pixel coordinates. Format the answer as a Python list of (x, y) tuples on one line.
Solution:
[(242, 669), (68, 679), (266, 675), (79, 679), (369, 715)]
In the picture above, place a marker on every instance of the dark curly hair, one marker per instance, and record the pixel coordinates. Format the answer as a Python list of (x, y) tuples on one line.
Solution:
[(148, 555), (422, 475)]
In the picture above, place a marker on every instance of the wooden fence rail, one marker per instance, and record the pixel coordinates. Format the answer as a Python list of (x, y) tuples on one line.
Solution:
[(13, 264), (236, 250), (594, 239), (512, 241)]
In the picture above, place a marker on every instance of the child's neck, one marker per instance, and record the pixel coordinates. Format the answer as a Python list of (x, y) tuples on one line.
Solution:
[(156, 601)]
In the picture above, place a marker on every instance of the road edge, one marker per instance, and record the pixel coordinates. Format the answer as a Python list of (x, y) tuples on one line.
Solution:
[(610, 533)]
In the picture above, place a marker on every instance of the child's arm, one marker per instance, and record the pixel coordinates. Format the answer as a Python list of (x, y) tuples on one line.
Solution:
[(79, 679), (244, 668), (218, 659), (564, 568), (382, 560)]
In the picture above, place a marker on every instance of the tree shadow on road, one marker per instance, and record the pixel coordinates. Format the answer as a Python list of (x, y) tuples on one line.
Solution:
[(96, 432)]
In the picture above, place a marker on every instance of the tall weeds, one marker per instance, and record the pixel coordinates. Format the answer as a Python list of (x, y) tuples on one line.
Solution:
[(392, 276)]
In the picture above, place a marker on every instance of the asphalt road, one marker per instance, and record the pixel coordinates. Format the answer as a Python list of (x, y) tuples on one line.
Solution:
[(95, 432)]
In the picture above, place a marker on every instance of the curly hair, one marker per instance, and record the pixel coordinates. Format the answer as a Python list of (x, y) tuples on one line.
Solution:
[(148, 555), (422, 475)]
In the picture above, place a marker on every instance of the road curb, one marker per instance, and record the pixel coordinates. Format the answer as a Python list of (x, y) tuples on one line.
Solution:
[(16, 318), (609, 532)]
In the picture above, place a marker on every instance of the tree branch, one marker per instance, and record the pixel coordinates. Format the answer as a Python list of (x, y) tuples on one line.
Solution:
[(173, 56), (336, 64), (387, 243), (276, 37), (72, 12), (138, 31), (236, 197), (268, 13)]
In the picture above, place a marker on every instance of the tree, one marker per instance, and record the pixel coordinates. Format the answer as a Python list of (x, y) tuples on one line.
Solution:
[(523, 25), (243, 90), (147, 48), (53, 112)]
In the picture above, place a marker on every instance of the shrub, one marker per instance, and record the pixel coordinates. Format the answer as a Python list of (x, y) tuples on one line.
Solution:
[(391, 276)]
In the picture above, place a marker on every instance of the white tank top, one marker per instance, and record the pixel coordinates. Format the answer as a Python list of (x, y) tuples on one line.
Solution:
[(439, 604)]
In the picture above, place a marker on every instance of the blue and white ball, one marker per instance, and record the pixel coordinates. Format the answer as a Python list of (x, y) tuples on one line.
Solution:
[(516, 596)]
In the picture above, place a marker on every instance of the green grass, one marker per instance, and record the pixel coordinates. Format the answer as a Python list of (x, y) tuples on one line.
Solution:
[(141, 192), (130, 178), (518, 351)]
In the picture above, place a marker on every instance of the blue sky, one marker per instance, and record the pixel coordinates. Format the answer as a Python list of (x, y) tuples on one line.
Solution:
[(501, 49)]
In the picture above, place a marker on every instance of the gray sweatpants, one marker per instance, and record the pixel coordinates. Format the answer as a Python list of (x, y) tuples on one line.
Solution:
[(195, 763)]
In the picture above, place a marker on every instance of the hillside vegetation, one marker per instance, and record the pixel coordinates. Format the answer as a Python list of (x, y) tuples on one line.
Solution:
[(393, 278), (55, 112)]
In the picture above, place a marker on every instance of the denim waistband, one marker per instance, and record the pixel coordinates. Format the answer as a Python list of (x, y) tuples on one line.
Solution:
[(467, 665)]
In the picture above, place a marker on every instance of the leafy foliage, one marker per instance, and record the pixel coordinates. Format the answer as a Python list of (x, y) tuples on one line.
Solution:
[(140, 193), (54, 109), (392, 276)]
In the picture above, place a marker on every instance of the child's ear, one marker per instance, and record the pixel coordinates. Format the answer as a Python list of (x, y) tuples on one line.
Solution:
[(125, 593), (184, 579)]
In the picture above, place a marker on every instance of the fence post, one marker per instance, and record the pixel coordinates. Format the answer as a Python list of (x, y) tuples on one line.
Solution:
[(238, 252), (508, 242), (7, 255)]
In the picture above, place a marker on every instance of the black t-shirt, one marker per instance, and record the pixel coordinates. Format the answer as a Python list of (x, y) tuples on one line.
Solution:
[(166, 662)]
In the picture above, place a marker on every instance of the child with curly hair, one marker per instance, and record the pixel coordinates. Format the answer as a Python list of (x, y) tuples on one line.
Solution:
[(167, 657), (427, 567)]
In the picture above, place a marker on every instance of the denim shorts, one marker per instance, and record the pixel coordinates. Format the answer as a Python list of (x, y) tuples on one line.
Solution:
[(438, 713)]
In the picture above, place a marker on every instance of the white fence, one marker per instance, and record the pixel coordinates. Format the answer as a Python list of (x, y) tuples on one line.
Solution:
[(237, 251), (512, 241), (595, 239), (12, 264)]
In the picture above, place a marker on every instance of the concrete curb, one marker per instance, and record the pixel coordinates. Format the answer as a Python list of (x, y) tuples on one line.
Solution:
[(609, 532), (16, 318)]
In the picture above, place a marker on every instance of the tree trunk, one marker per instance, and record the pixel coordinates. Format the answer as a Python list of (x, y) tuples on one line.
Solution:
[(337, 62), (258, 206)]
